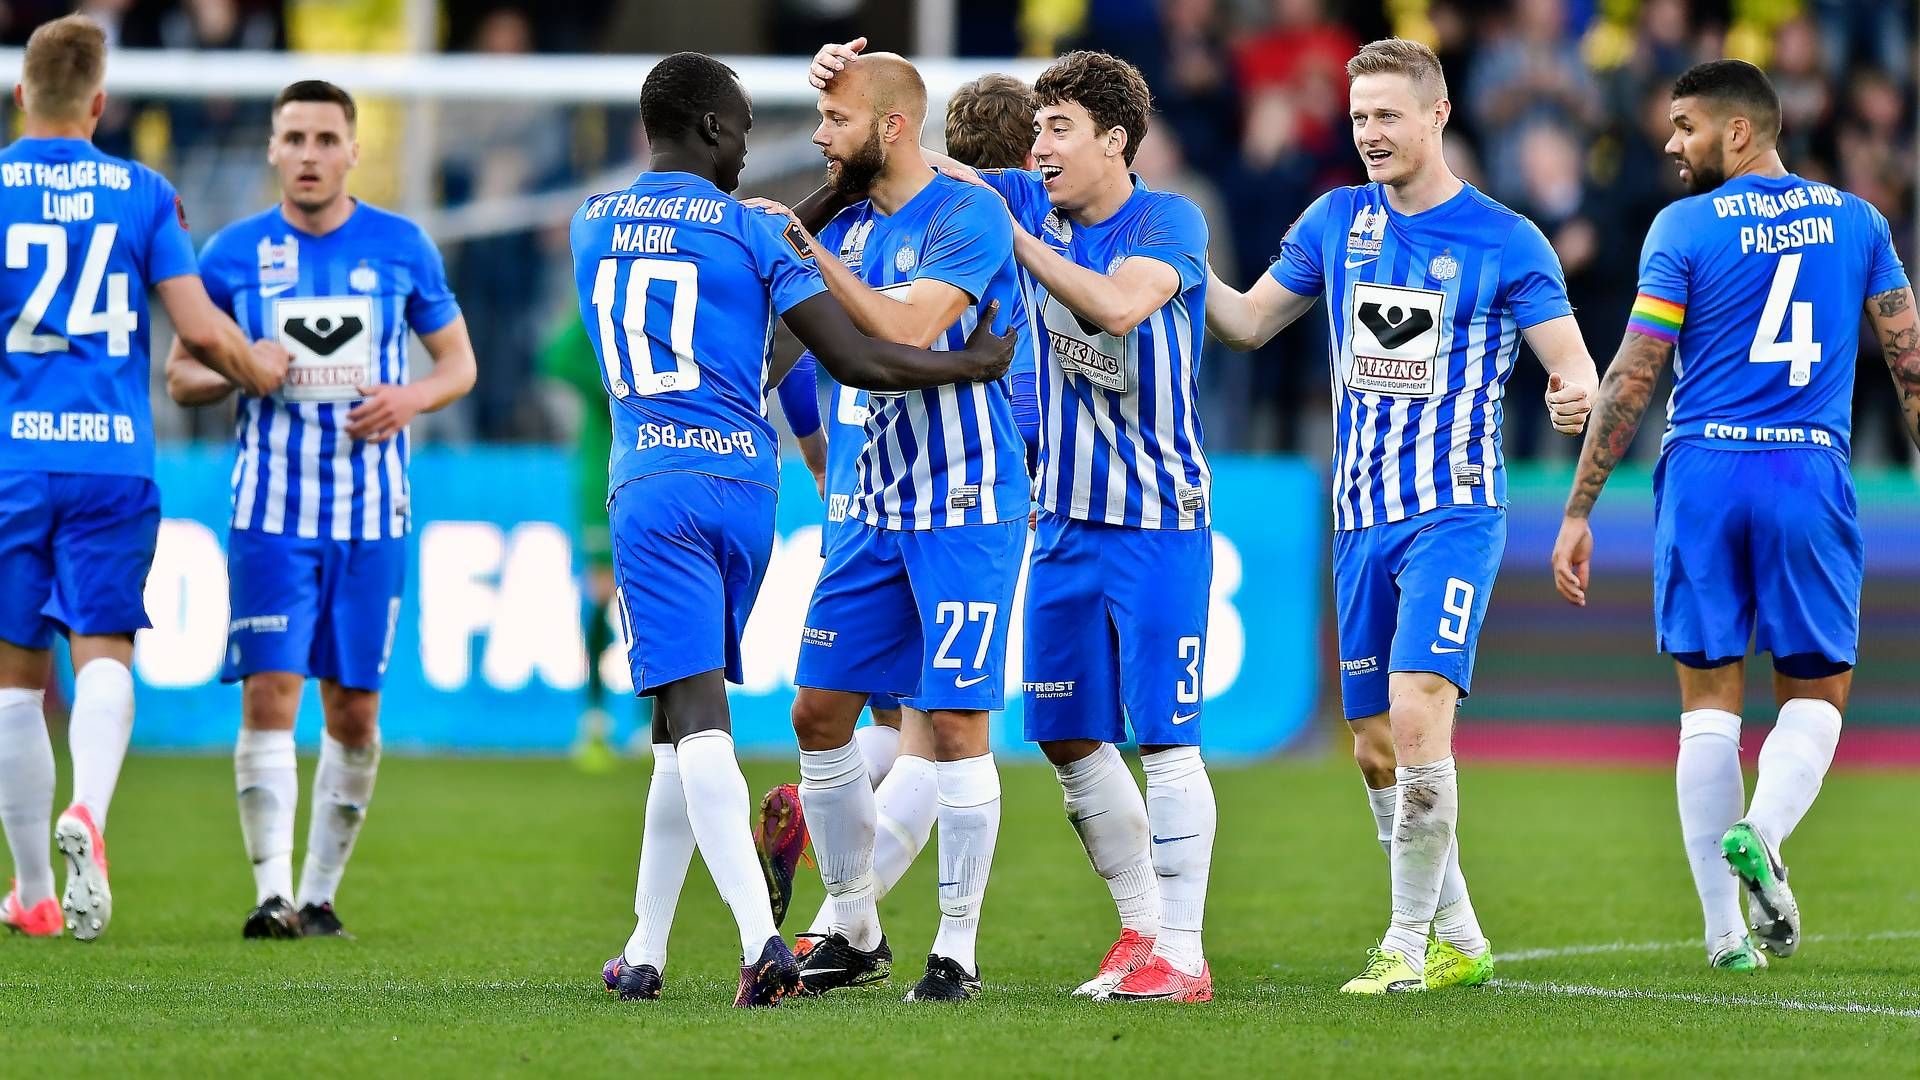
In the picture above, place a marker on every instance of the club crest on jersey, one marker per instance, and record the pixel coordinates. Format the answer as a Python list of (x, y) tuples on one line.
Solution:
[(1058, 227), (1369, 231), (853, 246), (905, 260), (279, 263), (363, 279), (1444, 267), (1114, 264), (1396, 334)]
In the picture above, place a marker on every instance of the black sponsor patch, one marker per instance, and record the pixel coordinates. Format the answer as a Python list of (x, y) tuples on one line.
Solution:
[(797, 239)]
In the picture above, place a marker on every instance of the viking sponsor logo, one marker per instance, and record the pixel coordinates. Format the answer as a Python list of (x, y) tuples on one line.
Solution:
[(1396, 336), (1084, 350), (1051, 689), (330, 341)]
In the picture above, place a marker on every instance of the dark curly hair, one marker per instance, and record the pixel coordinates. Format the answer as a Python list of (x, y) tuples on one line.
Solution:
[(680, 90), (990, 123), (1111, 90), (1737, 86)]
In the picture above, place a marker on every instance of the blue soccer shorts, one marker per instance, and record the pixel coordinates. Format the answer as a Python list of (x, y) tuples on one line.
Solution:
[(1116, 632), (1762, 545), (75, 549), (319, 608), (1410, 596), (689, 553), (919, 613)]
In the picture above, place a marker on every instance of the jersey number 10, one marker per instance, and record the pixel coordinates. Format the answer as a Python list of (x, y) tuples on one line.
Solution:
[(685, 374), (118, 320), (1799, 351)]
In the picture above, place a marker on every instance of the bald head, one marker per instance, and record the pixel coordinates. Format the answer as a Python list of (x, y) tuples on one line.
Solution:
[(886, 83)]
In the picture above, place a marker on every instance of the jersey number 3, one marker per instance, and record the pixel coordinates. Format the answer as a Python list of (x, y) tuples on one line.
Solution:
[(1799, 351), (641, 273), (117, 320)]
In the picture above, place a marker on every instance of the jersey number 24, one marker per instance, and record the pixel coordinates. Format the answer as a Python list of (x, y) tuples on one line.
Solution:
[(117, 320)]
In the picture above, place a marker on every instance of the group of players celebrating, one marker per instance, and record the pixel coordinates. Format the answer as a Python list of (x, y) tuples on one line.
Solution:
[(1012, 336)]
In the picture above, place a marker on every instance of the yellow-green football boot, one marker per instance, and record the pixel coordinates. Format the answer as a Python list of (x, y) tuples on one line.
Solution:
[(1448, 966), (1387, 972)]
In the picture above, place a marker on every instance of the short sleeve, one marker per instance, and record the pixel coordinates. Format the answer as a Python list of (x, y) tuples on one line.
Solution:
[(800, 396), (970, 243), (169, 248), (1531, 283), (1026, 196), (1300, 267), (1663, 262), (1175, 232), (782, 258), (1884, 271), (431, 305), (215, 272)]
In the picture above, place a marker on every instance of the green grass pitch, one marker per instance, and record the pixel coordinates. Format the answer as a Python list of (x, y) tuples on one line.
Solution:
[(486, 894)]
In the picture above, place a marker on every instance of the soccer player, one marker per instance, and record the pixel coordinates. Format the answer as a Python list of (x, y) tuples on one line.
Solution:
[(1752, 286), (917, 590), (989, 125), (680, 285), (86, 236), (317, 548), (1430, 287), (1122, 565)]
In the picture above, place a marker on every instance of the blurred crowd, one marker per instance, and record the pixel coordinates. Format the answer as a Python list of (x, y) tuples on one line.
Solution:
[(1559, 110)]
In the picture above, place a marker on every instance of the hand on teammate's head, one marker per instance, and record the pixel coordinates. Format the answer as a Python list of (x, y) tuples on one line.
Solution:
[(832, 59)]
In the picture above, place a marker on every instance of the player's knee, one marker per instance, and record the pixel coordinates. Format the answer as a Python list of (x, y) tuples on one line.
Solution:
[(1373, 752), (820, 722), (353, 718), (270, 700)]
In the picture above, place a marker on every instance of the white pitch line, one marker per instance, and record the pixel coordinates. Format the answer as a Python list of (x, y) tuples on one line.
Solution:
[(1791, 1004), (1521, 956)]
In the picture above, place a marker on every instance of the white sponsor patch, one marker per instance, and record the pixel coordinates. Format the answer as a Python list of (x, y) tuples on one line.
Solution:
[(1090, 353), (1396, 339), (330, 340)]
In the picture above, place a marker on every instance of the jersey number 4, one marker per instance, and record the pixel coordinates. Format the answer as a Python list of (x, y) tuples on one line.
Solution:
[(1799, 351), (641, 273), (117, 320)]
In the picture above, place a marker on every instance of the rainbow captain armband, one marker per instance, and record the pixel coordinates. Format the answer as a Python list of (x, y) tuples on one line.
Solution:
[(1656, 318)]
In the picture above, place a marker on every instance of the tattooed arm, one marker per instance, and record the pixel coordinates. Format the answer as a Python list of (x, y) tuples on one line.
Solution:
[(1624, 394), (1897, 325)]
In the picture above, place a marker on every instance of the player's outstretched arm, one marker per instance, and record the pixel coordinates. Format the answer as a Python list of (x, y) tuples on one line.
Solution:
[(1624, 395), (216, 340), (859, 361), (190, 382), (1571, 378), (1243, 321), (1897, 325), (1116, 302), (385, 410)]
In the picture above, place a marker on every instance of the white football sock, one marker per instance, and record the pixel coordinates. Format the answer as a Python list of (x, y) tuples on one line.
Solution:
[(1105, 808), (1181, 815), (98, 732), (1429, 810), (1454, 921), (1712, 793), (342, 788), (266, 778), (904, 809), (26, 791), (1793, 762), (666, 850), (969, 824), (838, 802), (716, 798), (880, 745)]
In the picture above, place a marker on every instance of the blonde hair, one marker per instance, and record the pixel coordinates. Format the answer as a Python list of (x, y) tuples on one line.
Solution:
[(66, 65), (1399, 56)]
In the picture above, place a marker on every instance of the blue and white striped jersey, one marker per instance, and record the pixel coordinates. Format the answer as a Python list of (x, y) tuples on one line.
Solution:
[(342, 305), (679, 286), (1425, 315), (87, 235), (948, 455), (1120, 436)]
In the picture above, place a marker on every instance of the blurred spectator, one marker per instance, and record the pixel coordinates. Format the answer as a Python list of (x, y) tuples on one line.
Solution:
[(1533, 73), (1556, 198), (1303, 56), (1193, 80), (1806, 99)]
